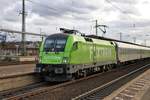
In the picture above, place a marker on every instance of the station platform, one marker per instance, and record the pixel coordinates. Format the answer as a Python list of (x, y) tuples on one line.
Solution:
[(27, 58), (17, 60), (137, 89), (6, 71)]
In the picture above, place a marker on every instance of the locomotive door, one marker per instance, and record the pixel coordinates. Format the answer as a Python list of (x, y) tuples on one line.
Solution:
[(94, 53)]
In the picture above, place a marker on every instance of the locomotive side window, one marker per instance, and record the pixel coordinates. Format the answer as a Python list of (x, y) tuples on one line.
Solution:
[(75, 46)]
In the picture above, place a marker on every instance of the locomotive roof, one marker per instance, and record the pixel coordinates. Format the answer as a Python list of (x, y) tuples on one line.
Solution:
[(92, 40), (58, 34)]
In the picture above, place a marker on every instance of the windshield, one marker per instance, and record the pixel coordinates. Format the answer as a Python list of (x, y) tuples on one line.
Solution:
[(55, 43)]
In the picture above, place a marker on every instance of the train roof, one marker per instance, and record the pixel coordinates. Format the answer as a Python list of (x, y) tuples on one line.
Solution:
[(131, 46), (104, 40), (72, 31), (109, 39)]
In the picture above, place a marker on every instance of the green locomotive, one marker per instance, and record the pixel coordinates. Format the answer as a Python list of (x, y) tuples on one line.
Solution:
[(66, 56)]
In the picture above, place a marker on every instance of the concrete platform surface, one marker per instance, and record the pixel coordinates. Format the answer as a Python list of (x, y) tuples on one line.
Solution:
[(146, 96), (27, 58), (16, 70), (137, 89)]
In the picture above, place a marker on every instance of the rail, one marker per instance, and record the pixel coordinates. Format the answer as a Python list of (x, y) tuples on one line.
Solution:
[(94, 91)]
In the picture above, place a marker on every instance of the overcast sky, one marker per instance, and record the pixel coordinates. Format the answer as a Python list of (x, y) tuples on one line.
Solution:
[(131, 17)]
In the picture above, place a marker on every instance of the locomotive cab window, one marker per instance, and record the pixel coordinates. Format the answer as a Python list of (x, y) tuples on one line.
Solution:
[(55, 43)]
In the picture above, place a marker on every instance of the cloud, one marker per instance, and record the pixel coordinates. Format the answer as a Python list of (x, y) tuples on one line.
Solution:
[(124, 6), (61, 8), (125, 1), (119, 15), (9, 13)]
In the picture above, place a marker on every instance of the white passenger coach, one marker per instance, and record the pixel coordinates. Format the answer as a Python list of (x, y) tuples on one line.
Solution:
[(128, 52)]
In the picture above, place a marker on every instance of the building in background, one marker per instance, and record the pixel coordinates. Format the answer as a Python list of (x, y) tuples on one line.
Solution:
[(14, 48)]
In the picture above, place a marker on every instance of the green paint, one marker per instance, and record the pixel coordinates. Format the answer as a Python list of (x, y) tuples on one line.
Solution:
[(80, 51)]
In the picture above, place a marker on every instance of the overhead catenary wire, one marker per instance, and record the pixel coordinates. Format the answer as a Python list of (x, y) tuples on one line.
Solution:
[(43, 5), (116, 7), (128, 15)]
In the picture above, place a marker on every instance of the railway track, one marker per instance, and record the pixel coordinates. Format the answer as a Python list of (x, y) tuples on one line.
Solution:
[(98, 93), (20, 80), (6, 63), (16, 91), (13, 70), (136, 89), (72, 89)]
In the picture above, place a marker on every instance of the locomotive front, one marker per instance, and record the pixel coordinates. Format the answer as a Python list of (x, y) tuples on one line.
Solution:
[(54, 58)]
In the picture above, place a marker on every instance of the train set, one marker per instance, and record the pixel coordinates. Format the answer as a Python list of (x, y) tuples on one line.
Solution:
[(68, 55)]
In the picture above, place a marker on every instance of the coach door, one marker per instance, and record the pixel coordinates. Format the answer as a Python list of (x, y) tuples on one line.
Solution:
[(92, 49)]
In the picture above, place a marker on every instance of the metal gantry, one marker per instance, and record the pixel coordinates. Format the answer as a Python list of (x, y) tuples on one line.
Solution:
[(23, 28), (101, 27), (19, 32)]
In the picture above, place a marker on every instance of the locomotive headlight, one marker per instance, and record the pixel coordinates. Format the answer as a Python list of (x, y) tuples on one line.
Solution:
[(65, 60)]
